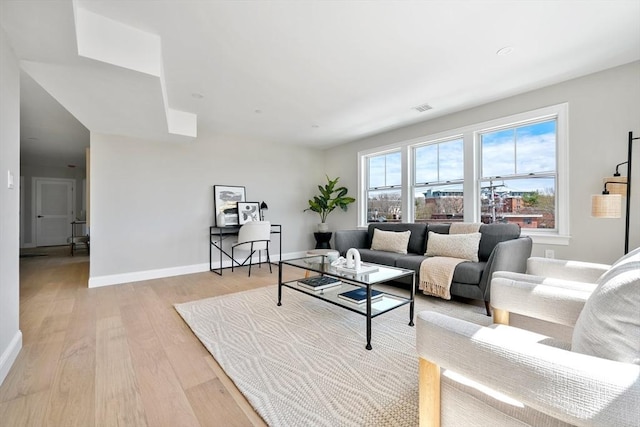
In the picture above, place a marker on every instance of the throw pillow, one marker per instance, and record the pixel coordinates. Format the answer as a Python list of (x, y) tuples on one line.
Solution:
[(390, 241), (463, 246), (609, 324)]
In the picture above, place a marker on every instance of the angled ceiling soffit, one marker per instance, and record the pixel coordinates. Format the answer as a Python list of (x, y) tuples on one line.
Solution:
[(105, 40)]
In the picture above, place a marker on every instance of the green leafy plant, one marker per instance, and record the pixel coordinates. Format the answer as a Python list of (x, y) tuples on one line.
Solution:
[(330, 198)]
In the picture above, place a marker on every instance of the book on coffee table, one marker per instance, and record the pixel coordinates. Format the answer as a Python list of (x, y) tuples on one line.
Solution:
[(359, 295), (318, 283)]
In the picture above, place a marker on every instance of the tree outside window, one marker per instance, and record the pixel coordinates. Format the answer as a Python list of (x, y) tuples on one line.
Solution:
[(384, 189), (515, 171)]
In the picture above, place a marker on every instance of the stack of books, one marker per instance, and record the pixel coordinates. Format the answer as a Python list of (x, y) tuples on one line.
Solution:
[(318, 283), (359, 295)]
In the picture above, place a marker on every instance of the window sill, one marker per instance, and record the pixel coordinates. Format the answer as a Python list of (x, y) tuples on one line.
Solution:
[(548, 239)]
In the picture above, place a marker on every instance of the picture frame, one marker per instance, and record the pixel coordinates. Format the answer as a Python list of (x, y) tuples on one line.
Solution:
[(225, 201), (248, 212)]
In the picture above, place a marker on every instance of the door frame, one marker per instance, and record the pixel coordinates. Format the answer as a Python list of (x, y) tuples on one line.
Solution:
[(34, 214)]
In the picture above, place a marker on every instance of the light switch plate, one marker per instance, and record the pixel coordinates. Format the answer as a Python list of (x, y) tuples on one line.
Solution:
[(9, 180)]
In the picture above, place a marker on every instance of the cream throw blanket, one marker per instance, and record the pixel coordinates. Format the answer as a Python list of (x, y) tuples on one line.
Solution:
[(436, 273)]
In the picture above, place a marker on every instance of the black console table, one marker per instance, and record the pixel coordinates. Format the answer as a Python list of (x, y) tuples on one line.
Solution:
[(218, 234)]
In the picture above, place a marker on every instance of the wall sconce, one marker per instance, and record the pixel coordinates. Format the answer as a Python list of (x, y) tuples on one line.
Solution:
[(609, 203), (263, 207)]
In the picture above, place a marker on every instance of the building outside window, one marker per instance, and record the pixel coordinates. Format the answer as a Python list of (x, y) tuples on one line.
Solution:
[(518, 175), (512, 169), (438, 179), (384, 187)]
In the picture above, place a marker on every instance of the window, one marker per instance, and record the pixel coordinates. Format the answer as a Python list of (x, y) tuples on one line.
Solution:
[(384, 187), (518, 181), (512, 169), (438, 179)]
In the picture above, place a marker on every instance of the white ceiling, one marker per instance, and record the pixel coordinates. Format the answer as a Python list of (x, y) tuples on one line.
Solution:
[(315, 73)]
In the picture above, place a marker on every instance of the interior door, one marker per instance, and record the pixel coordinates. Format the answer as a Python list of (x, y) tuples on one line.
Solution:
[(54, 211)]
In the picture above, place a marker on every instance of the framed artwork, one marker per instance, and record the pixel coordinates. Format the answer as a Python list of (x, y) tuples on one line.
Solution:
[(225, 201), (248, 211)]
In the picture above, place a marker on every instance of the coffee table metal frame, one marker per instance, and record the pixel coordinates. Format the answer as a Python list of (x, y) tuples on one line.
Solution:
[(389, 301)]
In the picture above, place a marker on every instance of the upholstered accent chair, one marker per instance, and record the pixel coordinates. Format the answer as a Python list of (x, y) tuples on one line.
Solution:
[(504, 375)]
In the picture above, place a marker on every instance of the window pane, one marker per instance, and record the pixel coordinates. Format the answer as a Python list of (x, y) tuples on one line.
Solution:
[(439, 162), (426, 164), (385, 170), (376, 171), (443, 203), (498, 153), (529, 202), (536, 148), (384, 206), (451, 165), (394, 169)]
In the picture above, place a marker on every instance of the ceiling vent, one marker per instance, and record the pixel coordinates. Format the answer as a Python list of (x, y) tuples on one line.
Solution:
[(422, 108)]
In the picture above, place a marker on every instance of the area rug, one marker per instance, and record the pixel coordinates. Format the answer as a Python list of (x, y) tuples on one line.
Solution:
[(305, 363)]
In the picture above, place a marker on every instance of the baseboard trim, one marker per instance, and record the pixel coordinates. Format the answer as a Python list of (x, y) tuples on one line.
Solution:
[(138, 276), (8, 357)]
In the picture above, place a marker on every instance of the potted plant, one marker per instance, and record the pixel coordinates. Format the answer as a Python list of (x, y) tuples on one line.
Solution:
[(330, 198)]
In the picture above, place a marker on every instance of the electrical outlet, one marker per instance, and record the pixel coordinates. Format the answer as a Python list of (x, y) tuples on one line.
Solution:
[(549, 253)]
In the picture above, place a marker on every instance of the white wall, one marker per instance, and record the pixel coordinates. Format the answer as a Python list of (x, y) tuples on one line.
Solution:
[(603, 108), (152, 202), (10, 335)]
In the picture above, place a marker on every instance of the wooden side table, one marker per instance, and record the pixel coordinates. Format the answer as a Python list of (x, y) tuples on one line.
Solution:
[(322, 240)]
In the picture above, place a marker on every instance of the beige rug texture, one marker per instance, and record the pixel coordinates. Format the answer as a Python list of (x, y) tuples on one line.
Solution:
[(305, 363)]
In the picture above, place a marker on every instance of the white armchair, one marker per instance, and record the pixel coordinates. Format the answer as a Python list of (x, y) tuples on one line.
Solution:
[(529, 300), (502, 375)]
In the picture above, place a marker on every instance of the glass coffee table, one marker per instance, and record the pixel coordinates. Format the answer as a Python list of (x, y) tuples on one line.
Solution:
[(371, 307)]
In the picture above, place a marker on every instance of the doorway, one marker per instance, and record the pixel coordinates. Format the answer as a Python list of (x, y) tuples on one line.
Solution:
[(54, 210)]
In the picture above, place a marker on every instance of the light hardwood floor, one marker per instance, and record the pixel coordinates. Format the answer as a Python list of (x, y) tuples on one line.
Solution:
[(118, 355)]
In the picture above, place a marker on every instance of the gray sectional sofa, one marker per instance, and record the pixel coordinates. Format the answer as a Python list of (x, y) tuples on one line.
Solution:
[(501, 249)]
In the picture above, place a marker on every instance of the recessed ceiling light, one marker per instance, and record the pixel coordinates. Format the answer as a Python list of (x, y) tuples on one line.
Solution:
[(197, 95), (507, 50)]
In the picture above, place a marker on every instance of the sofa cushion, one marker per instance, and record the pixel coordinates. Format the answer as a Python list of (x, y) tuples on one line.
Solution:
[(609, 324), (411, 262), (469, 272), (463, 246), (439, 228), (390, 241), (417, 240), (380, 257), (492, 234)]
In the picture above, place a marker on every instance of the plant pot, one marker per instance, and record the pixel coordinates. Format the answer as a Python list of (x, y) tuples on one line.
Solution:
[(323, 227)]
